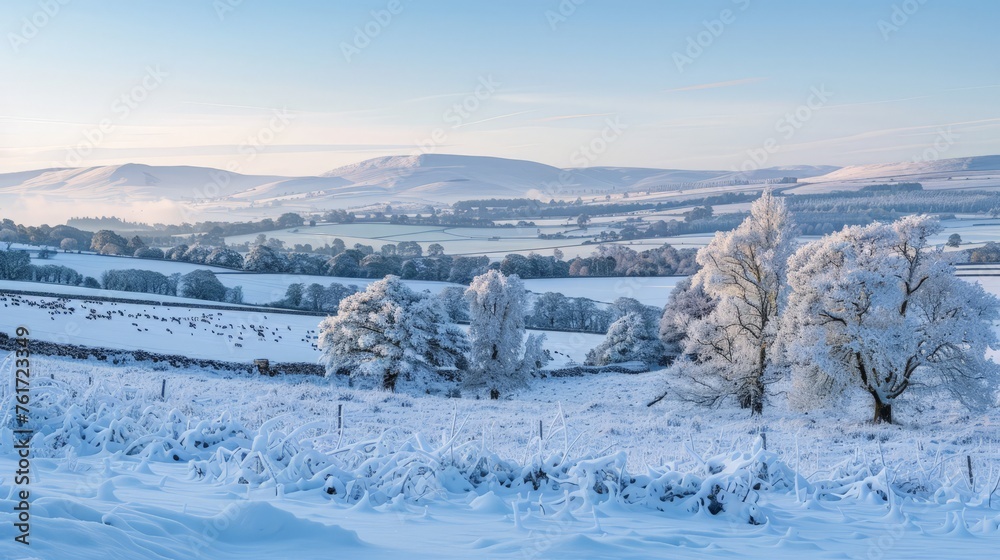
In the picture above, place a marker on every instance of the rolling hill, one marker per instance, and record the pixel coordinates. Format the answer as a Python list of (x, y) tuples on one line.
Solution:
[(169, 194)]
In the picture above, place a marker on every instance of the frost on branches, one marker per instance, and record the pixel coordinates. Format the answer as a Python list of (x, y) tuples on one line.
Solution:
[(744, 272), (500, 362), (687, 303), (875, 307), (389, 331), (630, 339)]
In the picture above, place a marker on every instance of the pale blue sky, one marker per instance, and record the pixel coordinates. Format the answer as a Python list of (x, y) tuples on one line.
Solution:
[(213, 82)]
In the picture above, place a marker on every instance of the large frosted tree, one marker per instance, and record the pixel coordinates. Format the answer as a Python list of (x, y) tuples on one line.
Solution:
[(388, 332), (497, 309), (743, 271), (878, 308)]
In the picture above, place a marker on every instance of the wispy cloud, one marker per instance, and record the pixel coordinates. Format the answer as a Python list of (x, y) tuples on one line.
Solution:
[(973, 87), (566, 117), (493, 118), (714, 85)]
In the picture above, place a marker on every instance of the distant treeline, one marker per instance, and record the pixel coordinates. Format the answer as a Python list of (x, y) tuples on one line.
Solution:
[(406, 259), (879, 202)]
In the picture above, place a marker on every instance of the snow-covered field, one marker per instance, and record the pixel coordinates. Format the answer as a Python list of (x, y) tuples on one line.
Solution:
[(225, 335), (625, 480), (262, 289), (46, 288), (651, 290)]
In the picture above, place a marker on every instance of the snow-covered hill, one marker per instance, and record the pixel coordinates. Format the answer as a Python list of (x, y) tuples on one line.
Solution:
[(981, 172), (172, 194)]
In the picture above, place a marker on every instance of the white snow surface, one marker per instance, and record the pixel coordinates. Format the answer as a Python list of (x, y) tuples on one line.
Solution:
[(225, 335), (827, 496)]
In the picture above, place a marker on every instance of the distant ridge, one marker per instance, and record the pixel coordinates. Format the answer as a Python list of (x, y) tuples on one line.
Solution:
[(174, 194)]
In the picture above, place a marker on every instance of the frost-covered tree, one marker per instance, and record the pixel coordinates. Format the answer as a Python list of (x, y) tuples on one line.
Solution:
[(447, 345), (550, 311), (744, 272), (389, 332), (294, 294), (630, 339), (175, 253), (149, 253), (234, 294), (134, 245), (435, 250), (100, 241), (197, 254), (688, 303), (69, 244), (262, 258), (876, 307), (223, 256), (14, 264), (314, 296), (536, 357), (453, 300), (497, 308), (202, 284)]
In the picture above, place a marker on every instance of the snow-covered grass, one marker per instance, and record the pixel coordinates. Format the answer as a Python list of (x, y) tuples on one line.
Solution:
[(828, 485)]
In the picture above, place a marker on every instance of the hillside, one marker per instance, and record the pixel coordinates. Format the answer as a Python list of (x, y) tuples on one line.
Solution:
[(173, 194)]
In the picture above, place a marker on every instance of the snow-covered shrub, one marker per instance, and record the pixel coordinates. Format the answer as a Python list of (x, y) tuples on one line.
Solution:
[(102, 419)]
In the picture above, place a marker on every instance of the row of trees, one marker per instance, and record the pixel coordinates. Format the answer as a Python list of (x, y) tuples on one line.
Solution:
[(197, 284), (872, 307), (389, 332), (16, 265), (407, 260), (315, 297)]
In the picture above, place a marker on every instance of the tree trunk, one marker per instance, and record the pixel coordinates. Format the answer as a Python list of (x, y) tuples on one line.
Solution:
[(757, 405), (744, 398), (389, 381), (883, 411)]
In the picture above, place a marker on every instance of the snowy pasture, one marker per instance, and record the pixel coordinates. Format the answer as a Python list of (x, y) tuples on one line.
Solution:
[(261, 289), (650, 290), (455, 240), (224, 335)]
